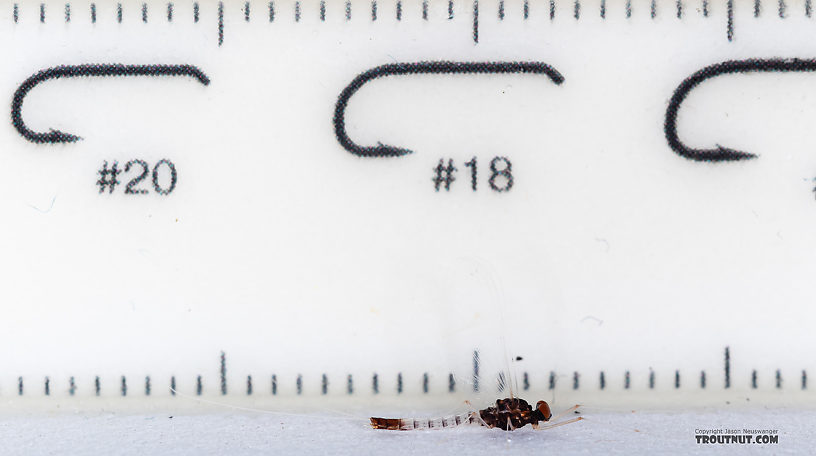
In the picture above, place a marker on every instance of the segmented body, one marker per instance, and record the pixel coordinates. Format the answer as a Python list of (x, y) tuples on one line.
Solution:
[(507, 414), (407, 424)]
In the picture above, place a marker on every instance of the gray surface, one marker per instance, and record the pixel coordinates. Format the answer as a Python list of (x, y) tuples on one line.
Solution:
[(256, 433)]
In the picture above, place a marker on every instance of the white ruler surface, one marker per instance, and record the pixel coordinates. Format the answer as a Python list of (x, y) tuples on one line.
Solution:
[(351, 198)]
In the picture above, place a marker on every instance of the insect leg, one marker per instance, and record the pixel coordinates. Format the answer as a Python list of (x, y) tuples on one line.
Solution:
[(565, 412), (550, 426)]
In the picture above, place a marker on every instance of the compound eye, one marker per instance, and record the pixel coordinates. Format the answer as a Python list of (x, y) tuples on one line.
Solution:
[(544, 408)]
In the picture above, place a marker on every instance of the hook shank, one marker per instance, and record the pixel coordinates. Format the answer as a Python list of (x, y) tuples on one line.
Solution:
[(436, 67), (72, 71), (720, 153)]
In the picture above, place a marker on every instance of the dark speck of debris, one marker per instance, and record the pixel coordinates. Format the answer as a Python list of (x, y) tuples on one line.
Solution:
[(519, 358)]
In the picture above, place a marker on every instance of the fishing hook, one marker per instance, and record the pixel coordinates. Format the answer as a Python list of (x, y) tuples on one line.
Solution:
[(72, 71), (438, 67), (721, 153)]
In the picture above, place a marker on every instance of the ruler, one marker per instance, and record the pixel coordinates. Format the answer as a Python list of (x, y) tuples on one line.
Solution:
[(392, 198)]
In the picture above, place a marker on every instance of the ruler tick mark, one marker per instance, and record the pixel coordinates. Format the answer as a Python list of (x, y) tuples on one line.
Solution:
[(702, 379), (324, 385), (577, 9), (399, 383), (730, 23), (475, 371), (757, 7), (373, 10), (271, 11), (71, 386), (653, 10), (322, 10), (575, 380), (552, 381), (628, 9), (47, 386), (782, 9), (425, 381), (804, 379), (679, 7), (223, 372), (124, 386), (274, 385), (67, 12), (399, 10), (249, 385), (15, 13), (42, 13), (552, 10), (450, 10), (754, 379), (97, 386), (526, 9), (525, 381), (501, 10), (348, 10), (677, 379), (603, 9), (93, 13), (778, 379), (425, 10), (170, 12), (299, 384), (195, 12), (173, 385), (147, 385), (375, 384), (349, 385), (246, 11), (297, 11), (199, 386), (602, 380), (220, 23), (476, 21), (144, 13), (451, 383), (119, 13), (705, 8), (627, 380)]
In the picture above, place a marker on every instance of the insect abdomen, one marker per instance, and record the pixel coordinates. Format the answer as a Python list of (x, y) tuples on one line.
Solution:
[(407, 424)]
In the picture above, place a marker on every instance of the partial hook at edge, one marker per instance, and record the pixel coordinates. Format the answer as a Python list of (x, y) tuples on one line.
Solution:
[(398, 69), (56, 136), (720, 153)]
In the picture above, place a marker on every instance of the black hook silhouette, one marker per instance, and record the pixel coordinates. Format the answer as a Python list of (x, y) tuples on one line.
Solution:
[(721, 153), (441, 67), (55, 136)]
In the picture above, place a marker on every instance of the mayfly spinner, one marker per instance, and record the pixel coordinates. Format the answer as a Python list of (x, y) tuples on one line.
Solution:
[(508, 414)]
